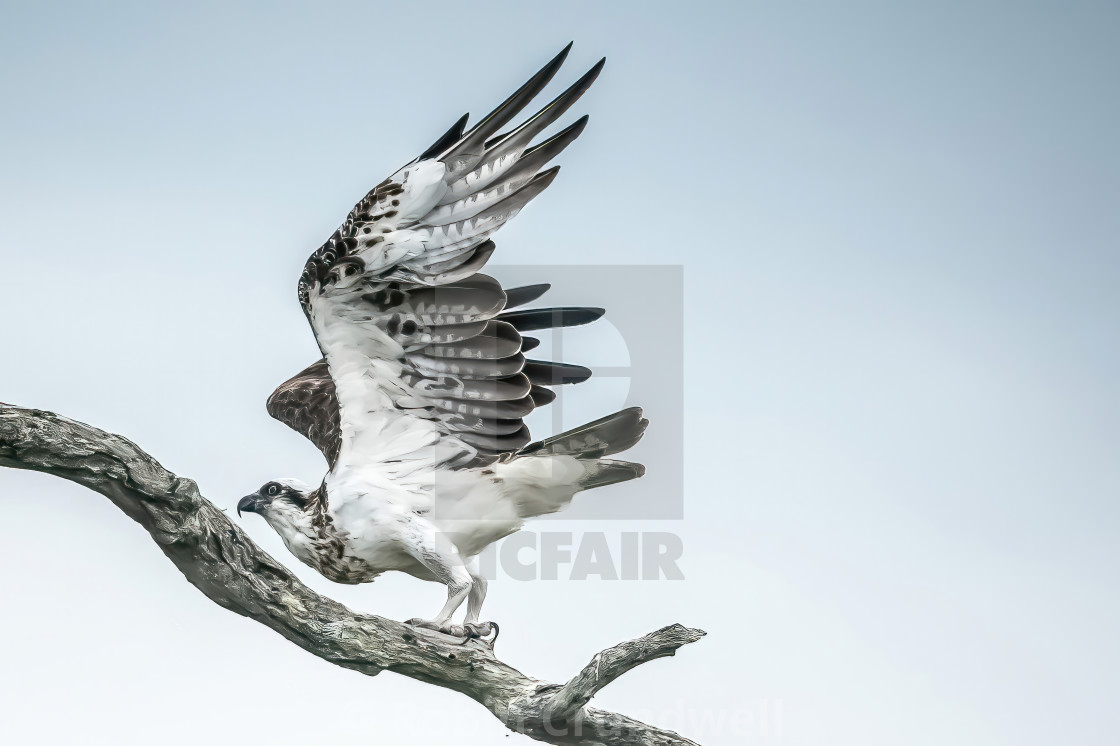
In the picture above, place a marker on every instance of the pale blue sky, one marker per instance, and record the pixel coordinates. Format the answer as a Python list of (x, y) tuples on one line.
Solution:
[(899, 231)]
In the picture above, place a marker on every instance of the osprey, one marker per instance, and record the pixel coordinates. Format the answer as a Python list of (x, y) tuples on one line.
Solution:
[(419, 400)]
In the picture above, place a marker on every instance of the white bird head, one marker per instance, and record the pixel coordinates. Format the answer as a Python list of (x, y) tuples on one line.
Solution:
[(281, 502)]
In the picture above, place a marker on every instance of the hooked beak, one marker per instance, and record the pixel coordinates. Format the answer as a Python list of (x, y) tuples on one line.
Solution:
[(250, 504)]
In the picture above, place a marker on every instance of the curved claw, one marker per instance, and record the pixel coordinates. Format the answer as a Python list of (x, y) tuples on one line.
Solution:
[(469, 631), (479, 631)]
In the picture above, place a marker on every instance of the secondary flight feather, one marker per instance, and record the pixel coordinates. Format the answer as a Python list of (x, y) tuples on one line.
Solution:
[(419, 400)]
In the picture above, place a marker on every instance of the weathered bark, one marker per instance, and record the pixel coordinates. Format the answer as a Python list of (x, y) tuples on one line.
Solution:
[(218, 558)]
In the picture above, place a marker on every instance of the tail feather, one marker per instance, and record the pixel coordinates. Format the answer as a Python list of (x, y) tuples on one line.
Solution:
[(543, 477), (603, 437), (606, 471)]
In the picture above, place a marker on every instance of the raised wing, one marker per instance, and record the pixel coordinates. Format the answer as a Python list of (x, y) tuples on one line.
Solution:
[(426, 360)]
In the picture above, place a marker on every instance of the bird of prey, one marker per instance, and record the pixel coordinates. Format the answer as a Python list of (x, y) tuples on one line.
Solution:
[(419, 399)]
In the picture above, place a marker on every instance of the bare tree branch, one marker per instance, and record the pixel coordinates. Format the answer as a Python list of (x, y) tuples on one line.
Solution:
[(608, 665), (219, 559)]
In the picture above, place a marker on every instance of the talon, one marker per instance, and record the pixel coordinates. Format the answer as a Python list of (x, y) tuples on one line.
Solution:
[(480, 631), (468, 631)]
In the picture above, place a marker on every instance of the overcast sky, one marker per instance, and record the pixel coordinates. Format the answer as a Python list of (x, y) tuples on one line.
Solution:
[(899, 230)]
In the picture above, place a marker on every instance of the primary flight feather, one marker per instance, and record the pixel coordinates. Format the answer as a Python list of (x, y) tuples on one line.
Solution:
[(419, 401)]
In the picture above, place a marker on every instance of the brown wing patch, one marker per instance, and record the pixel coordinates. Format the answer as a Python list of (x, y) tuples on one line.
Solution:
[(307, 404)]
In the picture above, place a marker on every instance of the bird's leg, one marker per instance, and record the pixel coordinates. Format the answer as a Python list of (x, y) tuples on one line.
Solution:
[(477, 595), (424, 542), (457, 590)]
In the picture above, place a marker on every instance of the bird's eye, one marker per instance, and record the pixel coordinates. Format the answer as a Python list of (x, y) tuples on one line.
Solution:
[(272, 489)]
